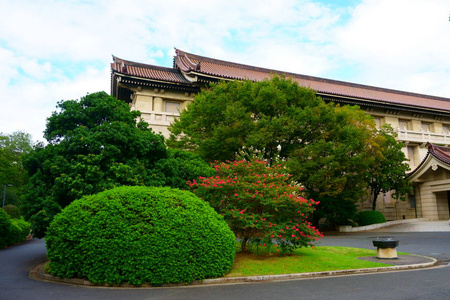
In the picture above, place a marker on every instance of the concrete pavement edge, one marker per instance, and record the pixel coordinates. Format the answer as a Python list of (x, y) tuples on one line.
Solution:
[(38, 273)]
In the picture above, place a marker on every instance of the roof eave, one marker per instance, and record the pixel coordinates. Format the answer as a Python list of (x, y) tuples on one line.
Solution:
[(384, 104)]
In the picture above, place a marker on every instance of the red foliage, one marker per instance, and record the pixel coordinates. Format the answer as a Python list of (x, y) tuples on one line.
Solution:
[(259, 203)]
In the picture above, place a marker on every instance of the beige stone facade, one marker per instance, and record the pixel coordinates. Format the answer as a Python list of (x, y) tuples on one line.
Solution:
[(159, 107), (161, 93), (430, 199)]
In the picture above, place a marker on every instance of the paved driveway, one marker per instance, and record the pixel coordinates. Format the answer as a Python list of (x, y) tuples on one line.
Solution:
[(420, 284), (429, 226)]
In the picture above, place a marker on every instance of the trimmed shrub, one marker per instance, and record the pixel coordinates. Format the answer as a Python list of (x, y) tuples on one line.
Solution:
[(369, 217), (12, 231), (5, 224), (140, 235), (24, 229), (14, 234), (13, 211)]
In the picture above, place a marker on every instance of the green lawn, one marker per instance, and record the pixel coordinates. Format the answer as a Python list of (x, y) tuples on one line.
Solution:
[(303, 260)]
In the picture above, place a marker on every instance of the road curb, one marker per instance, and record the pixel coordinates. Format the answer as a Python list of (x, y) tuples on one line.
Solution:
[(38, 273), (349, 229), (432, 262)]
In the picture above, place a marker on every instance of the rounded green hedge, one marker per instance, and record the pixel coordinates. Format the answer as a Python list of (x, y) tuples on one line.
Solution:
[(23, 232), (12, 210), (369, 217), (12, 231), (140, 235)]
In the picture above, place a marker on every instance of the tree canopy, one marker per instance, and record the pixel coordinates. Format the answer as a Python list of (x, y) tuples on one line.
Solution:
[(94, 144), (388, 174), (12, 148), (328, 148), (262, 115)]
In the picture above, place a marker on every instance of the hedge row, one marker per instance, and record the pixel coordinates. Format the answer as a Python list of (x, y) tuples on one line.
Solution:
[(369, 217), (12, 231), (13, 211)]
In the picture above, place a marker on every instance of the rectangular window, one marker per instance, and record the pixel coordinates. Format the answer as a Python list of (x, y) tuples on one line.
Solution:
[(172, 107), (387, 198), (403, 124), (413, 201), (426, 127), (445, 129)]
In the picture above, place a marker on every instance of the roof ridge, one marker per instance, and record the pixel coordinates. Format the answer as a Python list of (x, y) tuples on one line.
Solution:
[(142, 65), (435, 151), (440, 152), (306, 77)]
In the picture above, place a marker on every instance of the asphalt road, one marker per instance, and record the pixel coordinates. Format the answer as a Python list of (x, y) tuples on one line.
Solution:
[(433, 283)]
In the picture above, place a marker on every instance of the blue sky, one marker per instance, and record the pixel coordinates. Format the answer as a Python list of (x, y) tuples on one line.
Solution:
[(52, 50)]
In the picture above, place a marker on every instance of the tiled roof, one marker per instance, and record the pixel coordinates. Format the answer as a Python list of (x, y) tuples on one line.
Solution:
[(147, 71), (199, 65), (439, 152)]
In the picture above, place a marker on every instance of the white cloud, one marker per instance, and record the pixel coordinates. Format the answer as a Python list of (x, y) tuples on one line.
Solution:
[(276, 36), (394, 41), (52, 50), (28, 103)]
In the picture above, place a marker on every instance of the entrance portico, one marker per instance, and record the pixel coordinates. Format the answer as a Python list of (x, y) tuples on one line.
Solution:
[(431, 181)]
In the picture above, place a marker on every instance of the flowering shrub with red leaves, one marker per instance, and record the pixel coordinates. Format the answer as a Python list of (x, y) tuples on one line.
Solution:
[(259, 204)]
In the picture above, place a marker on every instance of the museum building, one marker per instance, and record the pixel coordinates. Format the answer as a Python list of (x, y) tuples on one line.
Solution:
[(422, 122)]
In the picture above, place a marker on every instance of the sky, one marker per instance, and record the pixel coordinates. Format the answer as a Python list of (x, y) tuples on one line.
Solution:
[(53, 50)]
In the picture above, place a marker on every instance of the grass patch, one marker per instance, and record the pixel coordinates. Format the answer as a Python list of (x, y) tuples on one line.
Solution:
[(303, 260)]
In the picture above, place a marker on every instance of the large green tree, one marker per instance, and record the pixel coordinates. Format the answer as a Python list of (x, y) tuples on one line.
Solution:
[(95, 144), (264, 116), (388, 174), (328, 148), (12, 148)]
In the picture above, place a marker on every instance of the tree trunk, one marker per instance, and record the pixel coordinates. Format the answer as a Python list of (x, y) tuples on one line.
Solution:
[(244, 244), (375, 196)]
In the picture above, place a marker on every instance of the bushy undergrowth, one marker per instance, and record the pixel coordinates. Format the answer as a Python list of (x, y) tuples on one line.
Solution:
[(140, 235), (12, 231), (13, 211), (4, 228), (369, 217)]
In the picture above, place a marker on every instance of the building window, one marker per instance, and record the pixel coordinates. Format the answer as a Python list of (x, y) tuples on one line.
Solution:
[(412, 201), (445, 129), (172, 107), (426, 127), (403, 124), (387, 199)]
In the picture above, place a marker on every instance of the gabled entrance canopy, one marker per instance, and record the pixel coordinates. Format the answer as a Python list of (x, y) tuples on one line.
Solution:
[(437, 157), (431, 180)]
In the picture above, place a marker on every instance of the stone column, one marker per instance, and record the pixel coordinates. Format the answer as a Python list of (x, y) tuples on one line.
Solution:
[(429, 204)]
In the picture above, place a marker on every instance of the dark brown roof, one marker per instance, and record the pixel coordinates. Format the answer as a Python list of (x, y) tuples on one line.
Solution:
[(209, 69), (199, 65), (440, 153), (145, 71)]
